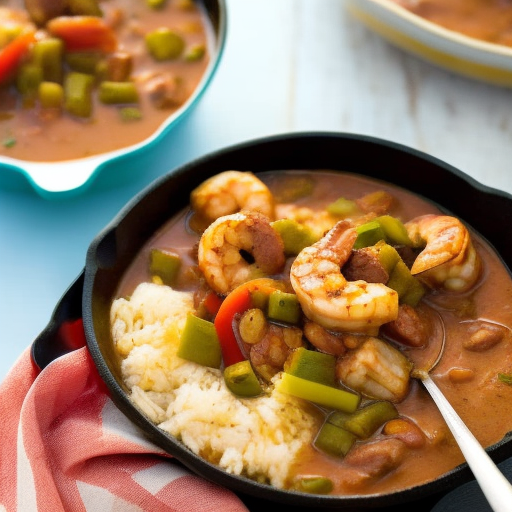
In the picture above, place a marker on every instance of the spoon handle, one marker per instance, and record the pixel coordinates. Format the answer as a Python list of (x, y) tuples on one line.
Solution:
[(493, 483)]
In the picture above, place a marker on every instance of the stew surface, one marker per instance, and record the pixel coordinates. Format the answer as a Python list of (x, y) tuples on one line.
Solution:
[(466, 300), (117, 83), (488, 20)]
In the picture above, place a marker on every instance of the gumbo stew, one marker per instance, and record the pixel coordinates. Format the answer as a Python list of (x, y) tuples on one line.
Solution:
[(83, 77), (275, 325)]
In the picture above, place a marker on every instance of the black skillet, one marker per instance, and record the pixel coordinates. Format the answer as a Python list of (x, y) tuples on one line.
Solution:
[(485, 209)]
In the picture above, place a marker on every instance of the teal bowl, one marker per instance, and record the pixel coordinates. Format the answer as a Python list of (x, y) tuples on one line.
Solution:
[(56, 180)]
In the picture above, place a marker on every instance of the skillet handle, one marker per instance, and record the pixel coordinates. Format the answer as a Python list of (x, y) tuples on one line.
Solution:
[(64, 332)]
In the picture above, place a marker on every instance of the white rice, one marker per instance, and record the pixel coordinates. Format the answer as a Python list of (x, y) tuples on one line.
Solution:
[(258, 437)]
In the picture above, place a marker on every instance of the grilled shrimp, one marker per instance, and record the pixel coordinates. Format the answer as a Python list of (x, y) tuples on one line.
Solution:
[(328, 299), (239, 247), (449, 259), (230, 192)]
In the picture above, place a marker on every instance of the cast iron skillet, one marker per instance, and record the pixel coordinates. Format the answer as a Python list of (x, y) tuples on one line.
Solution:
[(485, 209)]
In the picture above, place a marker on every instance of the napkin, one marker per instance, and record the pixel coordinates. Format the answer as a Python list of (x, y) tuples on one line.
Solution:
[(64, 446)]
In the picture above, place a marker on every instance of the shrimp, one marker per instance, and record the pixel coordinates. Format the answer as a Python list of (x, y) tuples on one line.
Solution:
[(449, 258), (230, 192), (328, 299), (237, 248)]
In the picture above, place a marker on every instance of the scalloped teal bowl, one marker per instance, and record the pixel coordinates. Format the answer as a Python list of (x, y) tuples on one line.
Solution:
[(67, 178)]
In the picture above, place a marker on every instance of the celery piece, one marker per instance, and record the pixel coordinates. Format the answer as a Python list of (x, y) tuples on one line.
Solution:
[(241, 379), (112, 93), (312, 365), (334, 440), (394, 229), (48, 54), (199, 342), (51, 95), (342, 207), (164, 44), (83, 62), (365, 421), (314, 485), (284, 307), (368, 234), (320, 394), (295, 236), (28, 79), (78, 93), (165, 264)]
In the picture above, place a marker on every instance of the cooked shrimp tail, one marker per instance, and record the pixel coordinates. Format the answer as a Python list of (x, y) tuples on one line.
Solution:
[(449, 258), (328, 299), (230, 192), (239, 247)]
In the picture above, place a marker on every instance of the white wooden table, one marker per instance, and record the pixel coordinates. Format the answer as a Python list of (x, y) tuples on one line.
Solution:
[(289, 65)]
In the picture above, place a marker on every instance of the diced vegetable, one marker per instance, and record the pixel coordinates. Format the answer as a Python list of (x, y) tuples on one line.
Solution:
[(28, 79), (195, 53), (295, 236), (320, 394), (47, 54), (314, 485), (237, 302), (368, 234), (199, 343), (51, 95), (84, 7), (165, 264), (84, 62), (83, 33), (241, 379), (365, 421), (12, 54), (130, 114), (343, 207), (394, 229), (284, 307), (253, 326), (409, 289), (164, 44), (77, 94), (112, 93), (334, 440), (312, 365)]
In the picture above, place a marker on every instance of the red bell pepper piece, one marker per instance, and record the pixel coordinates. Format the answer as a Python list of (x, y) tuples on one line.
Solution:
[(82, 33), (237, 302), (11, 55)]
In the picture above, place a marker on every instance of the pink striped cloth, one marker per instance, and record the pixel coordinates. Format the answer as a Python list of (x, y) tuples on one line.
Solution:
[(64, 446)]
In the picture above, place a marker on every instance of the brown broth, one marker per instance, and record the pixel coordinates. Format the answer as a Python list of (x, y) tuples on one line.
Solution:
[(45, 138), (487, 20), (484, 403)]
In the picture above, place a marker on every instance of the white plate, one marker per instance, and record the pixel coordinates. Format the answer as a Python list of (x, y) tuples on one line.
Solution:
[(491, 63)]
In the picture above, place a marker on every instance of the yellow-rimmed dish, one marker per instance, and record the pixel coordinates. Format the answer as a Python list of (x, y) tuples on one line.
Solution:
[(467, 56)]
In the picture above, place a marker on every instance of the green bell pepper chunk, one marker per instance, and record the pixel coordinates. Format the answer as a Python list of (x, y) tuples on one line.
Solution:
[(241, 379), (314, 485), (394, 229), (343, 207), (165, 264), (284, 307), (368, 234), (312, 365), (334, 440), (365, 421), (295, 236), (199, 343)]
